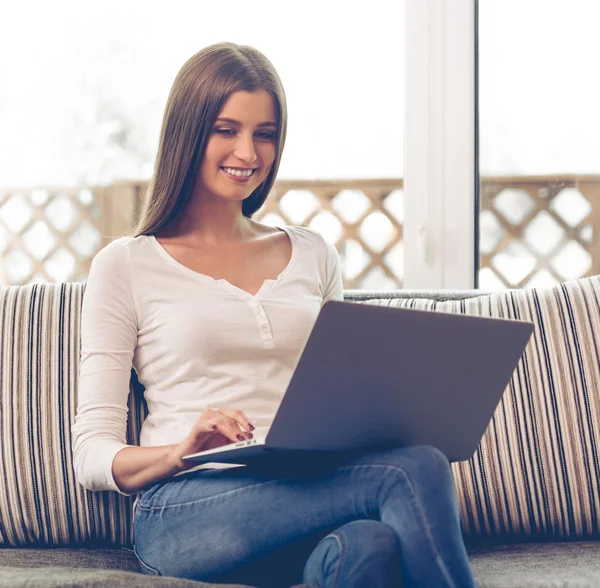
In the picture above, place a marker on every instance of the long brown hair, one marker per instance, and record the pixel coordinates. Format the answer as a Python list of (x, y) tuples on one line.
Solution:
[(198, 94)]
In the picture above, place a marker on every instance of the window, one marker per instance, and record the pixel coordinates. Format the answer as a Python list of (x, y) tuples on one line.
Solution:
[(88, 85), (540, 154)]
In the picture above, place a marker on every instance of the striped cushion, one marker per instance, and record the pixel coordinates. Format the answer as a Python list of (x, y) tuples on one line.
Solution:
[(537, 469), (39, 366)]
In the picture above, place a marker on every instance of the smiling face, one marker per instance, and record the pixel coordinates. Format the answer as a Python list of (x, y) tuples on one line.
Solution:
[(241, 148)]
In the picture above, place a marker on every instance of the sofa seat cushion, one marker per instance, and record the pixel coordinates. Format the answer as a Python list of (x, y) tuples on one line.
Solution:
[(57, 577), (524, 565), (105, 558), (82, 567), (537, 565)]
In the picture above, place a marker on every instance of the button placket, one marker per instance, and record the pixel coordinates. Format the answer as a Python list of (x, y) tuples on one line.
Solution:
[(265, 329)]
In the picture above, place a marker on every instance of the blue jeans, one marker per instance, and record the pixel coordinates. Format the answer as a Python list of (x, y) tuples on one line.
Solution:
[(382, 519)]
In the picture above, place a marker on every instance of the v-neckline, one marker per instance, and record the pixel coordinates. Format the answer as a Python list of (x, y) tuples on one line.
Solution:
[(267, 283)]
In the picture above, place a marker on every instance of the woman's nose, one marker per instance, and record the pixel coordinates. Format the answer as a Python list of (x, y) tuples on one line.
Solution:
[(244, 149)]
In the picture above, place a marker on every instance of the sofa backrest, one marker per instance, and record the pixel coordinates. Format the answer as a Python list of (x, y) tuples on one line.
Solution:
[(41, 503), (534, 475)]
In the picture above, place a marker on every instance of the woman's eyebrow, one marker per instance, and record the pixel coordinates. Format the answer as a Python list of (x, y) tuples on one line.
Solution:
[(238, 123)]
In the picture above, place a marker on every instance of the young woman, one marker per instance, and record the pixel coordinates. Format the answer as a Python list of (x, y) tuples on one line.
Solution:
[(212, 309)]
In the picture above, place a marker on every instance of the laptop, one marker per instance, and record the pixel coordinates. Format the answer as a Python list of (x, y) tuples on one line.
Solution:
[(374, 377)]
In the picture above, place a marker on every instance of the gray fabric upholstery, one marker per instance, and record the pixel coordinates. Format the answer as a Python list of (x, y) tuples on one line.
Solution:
[(79, 567), (111, 559), (524, 565), (538, 565), (54, 577), (91, 567)]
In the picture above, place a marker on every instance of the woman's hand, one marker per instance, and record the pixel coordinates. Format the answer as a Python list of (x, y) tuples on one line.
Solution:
[(213, 429)]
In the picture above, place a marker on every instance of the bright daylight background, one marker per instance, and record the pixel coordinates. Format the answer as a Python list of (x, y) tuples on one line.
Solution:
[(539, 116), (87, 83), (83, 88), (539, 91)]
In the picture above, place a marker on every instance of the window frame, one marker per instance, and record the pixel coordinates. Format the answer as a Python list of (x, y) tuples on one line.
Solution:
[(441, 179)]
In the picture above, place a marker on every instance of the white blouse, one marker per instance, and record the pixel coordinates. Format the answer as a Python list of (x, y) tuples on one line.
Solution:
[(195, 343)]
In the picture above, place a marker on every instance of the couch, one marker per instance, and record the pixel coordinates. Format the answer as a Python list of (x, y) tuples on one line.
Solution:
[(529, 498)]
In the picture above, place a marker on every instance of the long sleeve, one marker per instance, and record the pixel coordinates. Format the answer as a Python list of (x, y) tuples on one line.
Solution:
[(108, 340)]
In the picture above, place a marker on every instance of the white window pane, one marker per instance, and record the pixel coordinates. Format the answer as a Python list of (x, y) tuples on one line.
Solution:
[(539, 124)]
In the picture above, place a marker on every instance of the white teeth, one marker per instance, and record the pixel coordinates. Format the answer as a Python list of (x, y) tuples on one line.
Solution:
[(237, 172)]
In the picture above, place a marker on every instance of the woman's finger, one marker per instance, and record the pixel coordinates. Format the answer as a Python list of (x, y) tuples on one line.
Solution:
[(227, 427), (240, 418)]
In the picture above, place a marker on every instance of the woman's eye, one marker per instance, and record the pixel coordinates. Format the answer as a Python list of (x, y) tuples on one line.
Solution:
[(231, 133)]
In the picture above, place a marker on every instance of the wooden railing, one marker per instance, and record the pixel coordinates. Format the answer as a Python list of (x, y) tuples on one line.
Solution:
[(534, 230), (547, 228)]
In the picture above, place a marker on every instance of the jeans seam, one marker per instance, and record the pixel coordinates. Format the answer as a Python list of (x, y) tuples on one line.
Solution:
[(418, 504), (208, 498), (153, 571), (338, 538)]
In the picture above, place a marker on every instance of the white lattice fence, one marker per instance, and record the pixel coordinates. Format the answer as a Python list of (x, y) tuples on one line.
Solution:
[(534, 231), (538, 231), (52, 235)]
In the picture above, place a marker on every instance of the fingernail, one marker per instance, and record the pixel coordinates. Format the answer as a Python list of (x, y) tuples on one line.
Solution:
[(213, 427), (249, 435), (240, 437), (251, 426)]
